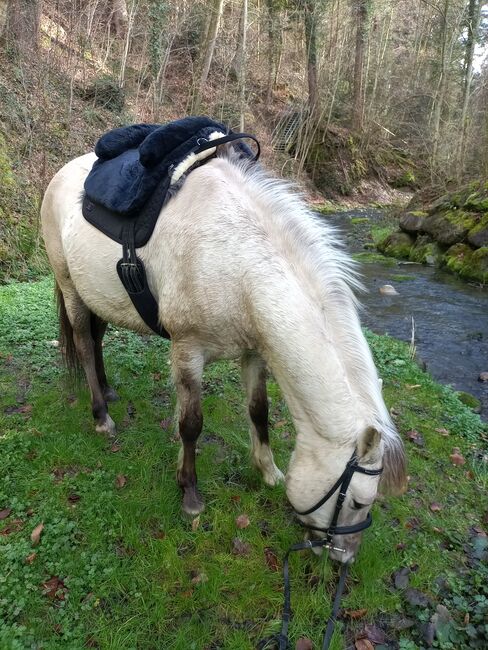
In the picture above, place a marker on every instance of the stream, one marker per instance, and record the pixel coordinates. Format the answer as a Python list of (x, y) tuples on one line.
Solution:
[(450, 315)]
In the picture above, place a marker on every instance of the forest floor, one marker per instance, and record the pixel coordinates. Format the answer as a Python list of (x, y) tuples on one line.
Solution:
[(94, 550)]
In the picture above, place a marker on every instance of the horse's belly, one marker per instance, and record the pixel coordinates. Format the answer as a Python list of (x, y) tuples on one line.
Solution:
[(92, 259)]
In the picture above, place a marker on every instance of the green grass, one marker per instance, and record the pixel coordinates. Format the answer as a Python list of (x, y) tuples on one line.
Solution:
[(134, 573)]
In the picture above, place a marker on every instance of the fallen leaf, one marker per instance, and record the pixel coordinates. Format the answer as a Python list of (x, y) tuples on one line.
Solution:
[(400, 578), (54, 588), (156, 376), (412, 386), (12, 527), (415, 437), (363, 644), (413, 523), (304, 643), (36, 534), (354, 614), (166, 423), (5, 513), (236, 498), (271, 559), (435, 507), (242, 521), (456, 457), (469, 475), (401, 546), (73, 497), (120, 481), (280, 423), (374, 634), (188, 593), (30, 558), (240, 548), (415, 597), (442, 431), (195, 523), (198, 578), (115, 448)]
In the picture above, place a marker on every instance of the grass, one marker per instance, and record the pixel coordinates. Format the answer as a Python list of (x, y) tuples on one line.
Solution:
[(117, 564)]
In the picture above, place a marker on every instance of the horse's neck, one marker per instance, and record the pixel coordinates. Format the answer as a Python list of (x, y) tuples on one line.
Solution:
[(315, 355)]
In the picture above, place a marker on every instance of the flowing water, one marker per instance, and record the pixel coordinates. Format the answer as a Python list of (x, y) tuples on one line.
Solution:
[(450, 315)]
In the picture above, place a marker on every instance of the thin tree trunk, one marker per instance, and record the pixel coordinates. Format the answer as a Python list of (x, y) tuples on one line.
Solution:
[(310, 19), (441, 88), (240, 62), (23, 19), (474, 13), (208, 50), (361, 10)]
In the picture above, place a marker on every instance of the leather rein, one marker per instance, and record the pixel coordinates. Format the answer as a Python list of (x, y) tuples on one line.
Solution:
[(341, 484)]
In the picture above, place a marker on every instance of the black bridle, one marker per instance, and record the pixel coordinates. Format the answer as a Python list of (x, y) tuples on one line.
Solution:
[(341, 484)]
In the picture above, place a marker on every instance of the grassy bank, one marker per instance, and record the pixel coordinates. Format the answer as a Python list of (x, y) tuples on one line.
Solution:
[(94, 551)]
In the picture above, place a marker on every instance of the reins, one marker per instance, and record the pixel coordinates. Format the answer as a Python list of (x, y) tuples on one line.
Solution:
[(343, 483)]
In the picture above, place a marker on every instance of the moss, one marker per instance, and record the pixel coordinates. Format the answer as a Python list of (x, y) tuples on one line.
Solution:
[(449, 227), (476, 268), (396, 244), (478, 235), (328, 208), (402, 278), (356, 220), (412, 221), (469, 400), (457, 257), (477, 202), (425, 251), (372, 258)]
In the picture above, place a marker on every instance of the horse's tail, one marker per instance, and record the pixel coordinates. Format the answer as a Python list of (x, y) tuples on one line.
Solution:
[(66, 340)]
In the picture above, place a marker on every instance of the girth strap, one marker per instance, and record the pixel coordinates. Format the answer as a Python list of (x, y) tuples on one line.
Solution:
[(132, 274)]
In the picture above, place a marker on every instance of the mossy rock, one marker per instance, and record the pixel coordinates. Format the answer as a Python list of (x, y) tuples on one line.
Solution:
[(426, 251), (477, 202), (477, 268), (411, 222), (457, 257), (396, 244), (478, 235), (449, 227), (469, 400), (368, 257), (356, 220)]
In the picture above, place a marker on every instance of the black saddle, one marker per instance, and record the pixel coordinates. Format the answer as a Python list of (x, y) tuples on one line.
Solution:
[(128, 186)]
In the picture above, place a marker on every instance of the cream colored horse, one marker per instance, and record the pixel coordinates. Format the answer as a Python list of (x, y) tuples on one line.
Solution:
[(241, 269)]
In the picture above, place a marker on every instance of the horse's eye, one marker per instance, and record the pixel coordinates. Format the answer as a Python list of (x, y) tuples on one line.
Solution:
[(357, 506)]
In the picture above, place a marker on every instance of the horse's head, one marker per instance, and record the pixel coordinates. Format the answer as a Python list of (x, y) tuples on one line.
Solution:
[(333, 488)]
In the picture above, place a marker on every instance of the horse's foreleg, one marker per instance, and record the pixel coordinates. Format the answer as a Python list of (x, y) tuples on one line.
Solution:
[(187, 366), (80, 319), (98, 327), (254, 378)]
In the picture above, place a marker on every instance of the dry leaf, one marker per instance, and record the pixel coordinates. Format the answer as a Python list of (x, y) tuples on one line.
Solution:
[(195, 523), (456, 457), (166, 423), (30, 558), (5, 513), (13, 527), (355, 613), (363, 644), (120, 481), (412, 386), (198, 578), (242, 521), (115, 448), (54, 588), (239, 547), (435, 507), (304, 643), (280, 423), (469, 475), (73, 497), (442, 431), (271, 559), (415, 437), (36, 534), (236, 498)]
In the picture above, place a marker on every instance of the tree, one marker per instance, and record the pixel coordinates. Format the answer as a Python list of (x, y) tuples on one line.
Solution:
[(208, 51), (310, 19), (361, 9), (23, 20)]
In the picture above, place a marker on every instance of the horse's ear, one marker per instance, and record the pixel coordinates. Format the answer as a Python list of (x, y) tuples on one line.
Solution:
[(369, 445)]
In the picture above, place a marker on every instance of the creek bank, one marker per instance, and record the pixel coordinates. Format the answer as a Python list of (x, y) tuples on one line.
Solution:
[(450, 232)]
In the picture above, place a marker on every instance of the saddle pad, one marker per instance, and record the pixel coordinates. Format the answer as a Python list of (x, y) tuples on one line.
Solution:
[(133, 160)]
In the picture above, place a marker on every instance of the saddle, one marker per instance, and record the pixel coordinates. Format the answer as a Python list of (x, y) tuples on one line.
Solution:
[(128, 186)]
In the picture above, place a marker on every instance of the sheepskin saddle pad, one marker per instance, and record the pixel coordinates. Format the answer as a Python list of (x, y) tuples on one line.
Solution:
[(137, 165)]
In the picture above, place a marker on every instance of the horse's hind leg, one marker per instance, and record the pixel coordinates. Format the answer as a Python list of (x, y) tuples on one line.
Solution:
[(76, 330), (98, 327), (254, 378), (187, 366)]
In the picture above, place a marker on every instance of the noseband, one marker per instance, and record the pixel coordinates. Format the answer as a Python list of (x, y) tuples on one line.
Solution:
[(342, 484)]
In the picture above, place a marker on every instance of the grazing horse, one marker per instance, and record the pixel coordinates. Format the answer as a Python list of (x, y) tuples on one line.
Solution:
[(240, 268)]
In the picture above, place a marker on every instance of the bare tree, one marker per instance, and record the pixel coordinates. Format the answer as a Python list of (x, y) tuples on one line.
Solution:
[(23, 20), (310, 18), (361, 9), (208, 51)]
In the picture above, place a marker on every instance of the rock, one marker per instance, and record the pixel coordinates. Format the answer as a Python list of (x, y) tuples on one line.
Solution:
[(396, 244), (477, 201), (411, 222), (426, 251), (449, 227), (388, 290), (478, 235), (457, 257), (470, 400), (483, 376)]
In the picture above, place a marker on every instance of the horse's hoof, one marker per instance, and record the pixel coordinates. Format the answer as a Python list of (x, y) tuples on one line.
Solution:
[(110, 395), (193, 503), (273, 477), (107, 426)]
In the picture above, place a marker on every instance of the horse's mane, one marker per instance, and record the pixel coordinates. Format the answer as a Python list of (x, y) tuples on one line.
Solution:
[(314, 245)]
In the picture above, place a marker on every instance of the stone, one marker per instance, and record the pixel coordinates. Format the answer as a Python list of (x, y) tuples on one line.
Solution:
[(469, 400), (411, 222), (426, 251), (478, 235), (396, 244), (457, 257), (483, 376), (388, 290), (449, 227)]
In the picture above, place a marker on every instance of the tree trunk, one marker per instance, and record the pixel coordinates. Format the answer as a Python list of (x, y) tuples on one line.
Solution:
[(474, 14), (441, 88), (361, 10), (240, 63), (310, 19), (120, 17), (23, 19), (208, 50)]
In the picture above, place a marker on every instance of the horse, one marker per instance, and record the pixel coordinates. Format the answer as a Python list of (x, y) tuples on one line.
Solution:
[(241, 268)]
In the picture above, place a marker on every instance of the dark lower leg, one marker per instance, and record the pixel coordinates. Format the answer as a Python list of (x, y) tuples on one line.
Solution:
[(98, 327)]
